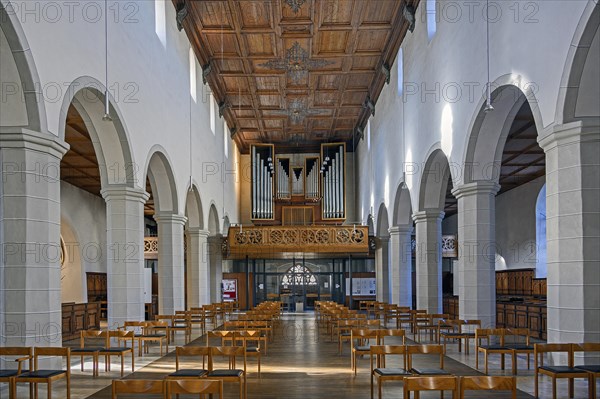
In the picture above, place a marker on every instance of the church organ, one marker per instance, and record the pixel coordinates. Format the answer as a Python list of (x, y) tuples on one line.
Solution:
[(312, 182)]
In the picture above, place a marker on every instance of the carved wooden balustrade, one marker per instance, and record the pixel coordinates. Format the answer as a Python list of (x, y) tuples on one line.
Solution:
[(150, 247), (273, 240)]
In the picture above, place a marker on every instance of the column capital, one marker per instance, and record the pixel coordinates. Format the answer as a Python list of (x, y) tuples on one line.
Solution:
[(197, 231), (21, 138), (578, 131), (478, 187), (401, 229), (429, 215), (123, 192), (167, 217)]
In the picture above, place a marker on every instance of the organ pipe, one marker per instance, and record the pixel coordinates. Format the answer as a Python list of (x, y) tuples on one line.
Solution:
[(262, 181), (333, 181)]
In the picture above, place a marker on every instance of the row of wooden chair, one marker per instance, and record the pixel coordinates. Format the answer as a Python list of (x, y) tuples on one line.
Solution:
[(167, 388), (571, 370), (101, 346), (503, 341), (34, 374), (245, 336), (459, 386)]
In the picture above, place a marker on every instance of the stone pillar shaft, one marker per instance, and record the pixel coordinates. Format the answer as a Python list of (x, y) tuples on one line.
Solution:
[(401, 265), (215, 267), (125, 253), (382, 269), (572, 231), (171, 286), (198, 277), (477, 251), (429, 260), (30, 290)]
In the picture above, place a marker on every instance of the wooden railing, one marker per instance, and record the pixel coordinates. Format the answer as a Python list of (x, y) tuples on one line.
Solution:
[(272, 240), (150, 247)]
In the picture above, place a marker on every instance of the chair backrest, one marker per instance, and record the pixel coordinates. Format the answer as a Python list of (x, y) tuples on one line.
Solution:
[(220, 334), (489, 333), (192, 351), (379, 353), (470, 325), (137, 387), (121, 335), (540, 349), (363, 334), (375, 324), (249, 335), (230, 352), (437, 383), (41, 351), (20, 352), (92, 335), (488, 383), (194, 386), (429, 349), (391, 332)]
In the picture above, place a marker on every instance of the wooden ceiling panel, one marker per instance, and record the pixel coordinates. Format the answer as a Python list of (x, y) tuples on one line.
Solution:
[(332, 42), (380, 12), (295, 70), (260, 44), (336, 13), (371, 41), (255, 15)]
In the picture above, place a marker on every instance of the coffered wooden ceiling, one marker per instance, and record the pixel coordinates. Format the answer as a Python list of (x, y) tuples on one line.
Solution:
[(342, 46)]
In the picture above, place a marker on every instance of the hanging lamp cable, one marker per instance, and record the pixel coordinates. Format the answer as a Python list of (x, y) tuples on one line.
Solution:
[(106, 116), (488, 105)]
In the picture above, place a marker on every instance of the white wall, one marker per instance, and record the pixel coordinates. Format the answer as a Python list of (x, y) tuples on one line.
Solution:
[(515, 225), (444, 82), (149, 80), (83, 219)]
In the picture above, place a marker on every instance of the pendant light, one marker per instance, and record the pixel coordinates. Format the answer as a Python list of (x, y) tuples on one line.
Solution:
[(488, 103), (106, 116)]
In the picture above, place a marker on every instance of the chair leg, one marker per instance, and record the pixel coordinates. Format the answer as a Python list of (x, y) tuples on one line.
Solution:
[(571, 387), (380, 388), (536, 384), (553, 387), (485, 357), (68, 387), (476, 358)]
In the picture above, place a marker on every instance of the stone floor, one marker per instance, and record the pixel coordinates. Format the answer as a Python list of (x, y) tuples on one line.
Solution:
[(301, 363)]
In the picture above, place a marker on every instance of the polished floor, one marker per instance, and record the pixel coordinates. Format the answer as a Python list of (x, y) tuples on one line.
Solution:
[(302, 363)]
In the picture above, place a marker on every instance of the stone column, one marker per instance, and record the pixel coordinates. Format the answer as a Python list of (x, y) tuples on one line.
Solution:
[(30, 291), (216, 267), (429, 260), (572, 231), (401, 265), (198, 277), (477, 251), (382, 269), (171, 286), (125, 253)]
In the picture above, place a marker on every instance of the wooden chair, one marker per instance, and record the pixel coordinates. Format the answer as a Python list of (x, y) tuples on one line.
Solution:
[(517, 339), (21, 354), (439, 383), (90, 350), (489, 334), (361, 340), (418, 316), (593, 370), (152, 333), (195, 387), (246, 336), (197, 353), (568, 371), (181, 323), (461, 330), (429, 324), (138, 330), (137, 387), (486, 383), (231, 373), (379, 371), (224, 336), (384, 333), (429, 350), (44, 376), (265, 331), (121, 351), (344, 331)]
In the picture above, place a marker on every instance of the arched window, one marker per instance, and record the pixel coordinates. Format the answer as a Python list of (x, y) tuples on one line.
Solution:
[(299, 275), (541, 267), (431, 18)]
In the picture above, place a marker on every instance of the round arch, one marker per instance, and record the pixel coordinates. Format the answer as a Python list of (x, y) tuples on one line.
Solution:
[(213, 220), (383, 224), (434, 181), (162, 181), (578, 97), (24, 107), (489, 131), (193, 208), (402, 213), (110, 139)]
